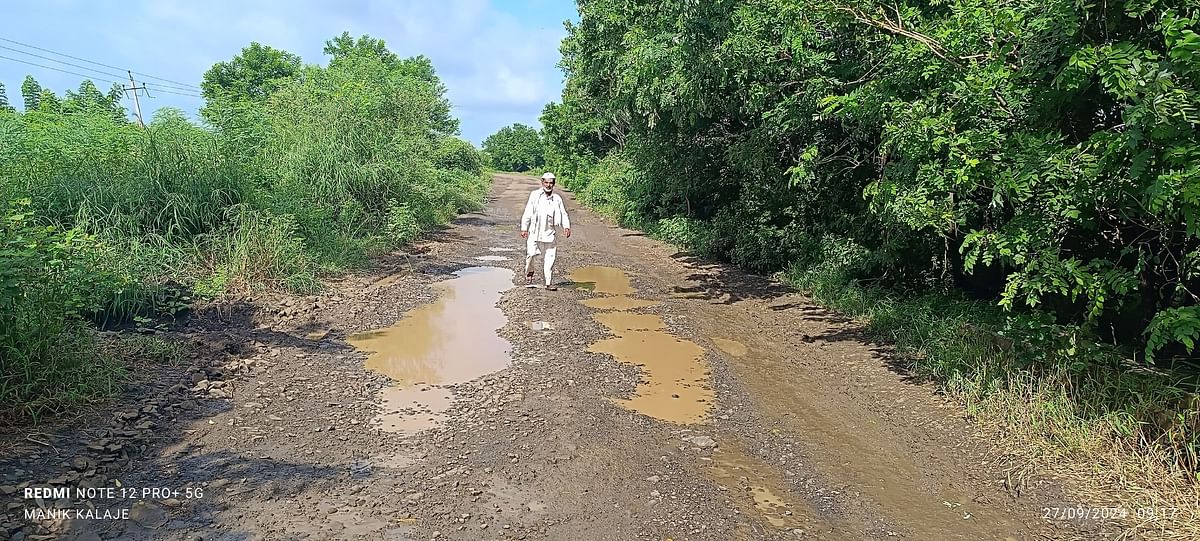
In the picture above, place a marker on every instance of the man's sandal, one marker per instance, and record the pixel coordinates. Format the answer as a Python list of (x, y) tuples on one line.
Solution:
[(529, 277)]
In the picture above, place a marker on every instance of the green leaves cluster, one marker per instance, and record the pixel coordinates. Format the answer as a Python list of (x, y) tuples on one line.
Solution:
[(514, 148), (1043, 155)]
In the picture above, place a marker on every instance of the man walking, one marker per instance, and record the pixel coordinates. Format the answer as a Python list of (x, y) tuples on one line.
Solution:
[(543, 213)]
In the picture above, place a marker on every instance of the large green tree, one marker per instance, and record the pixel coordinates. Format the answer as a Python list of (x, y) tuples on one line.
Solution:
[(515, 148), (4, 105), (253, 74)]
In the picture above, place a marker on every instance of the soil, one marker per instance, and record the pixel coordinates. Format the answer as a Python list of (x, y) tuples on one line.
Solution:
[(653, 395)]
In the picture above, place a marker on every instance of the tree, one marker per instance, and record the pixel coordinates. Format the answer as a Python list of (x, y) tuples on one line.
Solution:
[(4, 105), (31, 93), (115, 94), (345, 46), (49, 103), (253, 75), (87, 99), (515, 148)]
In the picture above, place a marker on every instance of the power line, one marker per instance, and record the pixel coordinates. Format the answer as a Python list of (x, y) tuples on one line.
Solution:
[(188, 85), (80, 67), (57, 69), (193, 95)]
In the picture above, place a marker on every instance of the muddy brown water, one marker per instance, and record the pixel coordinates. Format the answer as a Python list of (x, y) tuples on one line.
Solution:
[(452, 340), (675, 385)]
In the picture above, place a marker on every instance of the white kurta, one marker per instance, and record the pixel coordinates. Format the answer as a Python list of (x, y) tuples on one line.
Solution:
[(543, 214)]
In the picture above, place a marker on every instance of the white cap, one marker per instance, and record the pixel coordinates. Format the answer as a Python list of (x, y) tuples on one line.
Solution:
[(548, 176)]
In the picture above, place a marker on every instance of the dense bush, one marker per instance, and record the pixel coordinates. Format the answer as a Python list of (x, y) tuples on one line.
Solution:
[(1035, 160), (300, 170)]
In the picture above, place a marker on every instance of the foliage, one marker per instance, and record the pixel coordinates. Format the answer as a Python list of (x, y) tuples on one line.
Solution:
[(514, 148), (4, 105), (48, 282), (254, 74), (300, 171), (1040, 158), (31, 92)]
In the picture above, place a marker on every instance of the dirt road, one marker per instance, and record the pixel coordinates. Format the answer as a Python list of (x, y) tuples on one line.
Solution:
[(655, 396)]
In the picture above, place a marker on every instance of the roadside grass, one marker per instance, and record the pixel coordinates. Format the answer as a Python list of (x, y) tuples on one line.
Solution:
[(1116, 430)]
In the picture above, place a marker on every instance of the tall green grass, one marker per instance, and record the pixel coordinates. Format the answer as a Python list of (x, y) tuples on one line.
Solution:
[(105, 221)]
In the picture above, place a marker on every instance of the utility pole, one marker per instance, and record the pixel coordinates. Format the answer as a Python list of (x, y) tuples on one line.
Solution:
[(136, 104)]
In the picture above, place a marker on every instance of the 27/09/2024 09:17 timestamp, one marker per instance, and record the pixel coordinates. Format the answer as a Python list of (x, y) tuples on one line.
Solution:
[(1108, 513)]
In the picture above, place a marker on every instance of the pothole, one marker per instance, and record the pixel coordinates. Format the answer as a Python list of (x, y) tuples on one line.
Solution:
[(453, 340), (675, 377), (493, 258)]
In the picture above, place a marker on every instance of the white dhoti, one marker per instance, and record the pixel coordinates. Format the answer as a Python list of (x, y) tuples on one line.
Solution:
[(543, 214), (548, 251)]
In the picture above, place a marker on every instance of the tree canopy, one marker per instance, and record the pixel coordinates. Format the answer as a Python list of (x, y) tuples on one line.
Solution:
[(515, 148)]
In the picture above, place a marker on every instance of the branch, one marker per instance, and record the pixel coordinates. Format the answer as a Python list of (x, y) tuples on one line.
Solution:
[(898, 28)]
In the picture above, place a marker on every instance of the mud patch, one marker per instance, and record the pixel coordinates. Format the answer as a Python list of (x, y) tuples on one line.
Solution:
[(753, 487), (618, 303), (731, 347), (453, 340), (411, 410)]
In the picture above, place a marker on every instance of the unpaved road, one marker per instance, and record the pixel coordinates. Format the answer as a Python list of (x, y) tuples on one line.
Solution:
[(433, 399)]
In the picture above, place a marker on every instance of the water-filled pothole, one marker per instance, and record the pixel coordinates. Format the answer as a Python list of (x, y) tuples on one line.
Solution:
[(493, 258), (452, 340), (675, 378)]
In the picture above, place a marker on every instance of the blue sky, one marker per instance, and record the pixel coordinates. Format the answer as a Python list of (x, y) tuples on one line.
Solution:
[(497, 57)]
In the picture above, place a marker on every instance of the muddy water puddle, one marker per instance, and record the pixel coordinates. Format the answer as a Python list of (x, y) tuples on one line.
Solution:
[(675, 383), (602, 280), (493, 258), (751, 484), (452, 340)]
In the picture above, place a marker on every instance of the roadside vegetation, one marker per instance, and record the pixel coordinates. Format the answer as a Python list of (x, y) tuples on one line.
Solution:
[(1007, 191), (296, 171)]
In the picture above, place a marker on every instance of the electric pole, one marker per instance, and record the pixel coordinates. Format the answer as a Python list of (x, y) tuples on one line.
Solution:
[(136, 104)]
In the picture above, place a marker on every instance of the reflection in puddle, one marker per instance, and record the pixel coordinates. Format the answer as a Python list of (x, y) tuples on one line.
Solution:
[(453, 340), (674, 384), (603, 280), (618, 303), (493, 258), (731, 347)]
